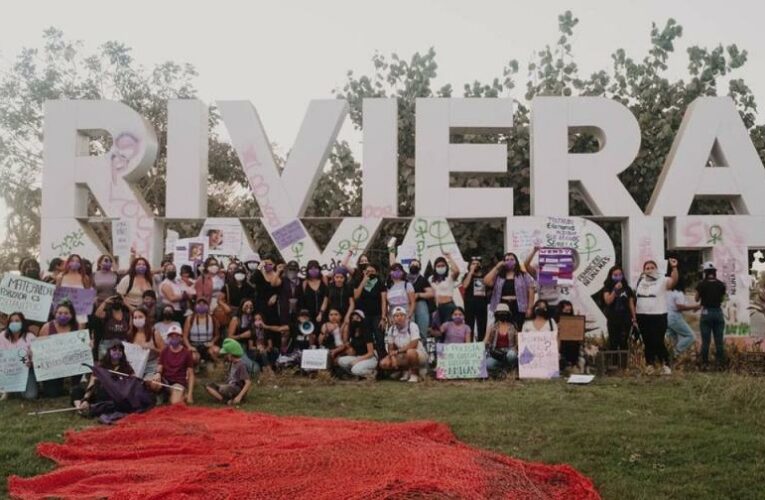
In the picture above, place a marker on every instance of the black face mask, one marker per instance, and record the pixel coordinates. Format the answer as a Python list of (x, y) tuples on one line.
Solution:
[(167, 315), (171, 275), (540, 312), (414, 270), (502, 317)]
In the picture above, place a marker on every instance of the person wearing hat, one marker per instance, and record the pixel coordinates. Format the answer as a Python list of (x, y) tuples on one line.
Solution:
[(176, 368), (405, 349), (710, 292), (501, 341), (295, 338), (359, 358), (238, 382)]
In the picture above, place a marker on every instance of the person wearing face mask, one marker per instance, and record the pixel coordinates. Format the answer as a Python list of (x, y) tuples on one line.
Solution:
[(168, 319), (406, 351), (200, 333), (260, 346), (290, 293), (64, 321), (570, 350), (74, 275), (105, 279), (444, 283), (512, 286), (30, 268), (175, 368), (137, 281), (455, 331), (296, 337), (267, 280), (56, 268), (241, 328), (359, 358), (142, 334), (356, 274), (399, 292), (476, 299), (237, 288), (171, 291), (114, 360), (18, 337), (651, 307), (151, 304), (678, 330), (501, 342), (114, 323), (619, 300), (331, 335), (541, 320), (189, 292), (711, 292), (370, 300), (423, 297), (315, 292), (210, 281), (340, 295)]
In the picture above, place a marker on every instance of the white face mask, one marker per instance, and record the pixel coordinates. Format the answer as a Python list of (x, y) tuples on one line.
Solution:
[(441, 270), (139, 322), (239, 276)]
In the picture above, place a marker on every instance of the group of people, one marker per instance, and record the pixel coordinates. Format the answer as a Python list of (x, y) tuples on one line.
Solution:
[(373, 321)]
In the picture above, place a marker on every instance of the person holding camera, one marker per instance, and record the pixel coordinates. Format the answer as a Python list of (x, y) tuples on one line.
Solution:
[(115, 323)]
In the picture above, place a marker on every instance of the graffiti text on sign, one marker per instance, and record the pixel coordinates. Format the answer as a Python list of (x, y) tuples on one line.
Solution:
[(70, 242), (260, 188), (592, 270), (561, 232)]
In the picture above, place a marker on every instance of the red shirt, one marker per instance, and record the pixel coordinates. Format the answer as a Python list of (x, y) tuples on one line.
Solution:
[(175, 364)]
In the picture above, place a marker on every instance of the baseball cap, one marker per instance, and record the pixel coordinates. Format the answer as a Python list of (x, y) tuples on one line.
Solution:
[(359, 313), (398, 310), (174, 330), (709, 266)]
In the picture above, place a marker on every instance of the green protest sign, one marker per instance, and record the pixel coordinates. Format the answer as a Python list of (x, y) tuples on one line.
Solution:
[(455, 361)]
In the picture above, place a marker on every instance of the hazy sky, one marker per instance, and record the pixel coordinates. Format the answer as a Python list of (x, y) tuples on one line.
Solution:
[(281, 54)]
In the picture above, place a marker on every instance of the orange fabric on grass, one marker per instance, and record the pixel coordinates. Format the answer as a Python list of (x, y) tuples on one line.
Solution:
[(176, 452)]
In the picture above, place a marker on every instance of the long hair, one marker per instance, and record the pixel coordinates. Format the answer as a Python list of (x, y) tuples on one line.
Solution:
[(518, 270), (83, 274), (24, 326), (132, 273), (101, 260), (66, 304), (148, 327), (435, 276), (608, 284), (123, 366)]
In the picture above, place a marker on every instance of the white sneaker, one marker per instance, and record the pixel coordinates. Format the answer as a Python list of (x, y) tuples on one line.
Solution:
[(666, 370), (649, 370), (413, 378)]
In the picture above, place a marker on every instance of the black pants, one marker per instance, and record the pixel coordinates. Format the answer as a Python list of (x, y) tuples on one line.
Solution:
[(372, 323), (653, 327), (569, 351), (475, 316), (618, 333)]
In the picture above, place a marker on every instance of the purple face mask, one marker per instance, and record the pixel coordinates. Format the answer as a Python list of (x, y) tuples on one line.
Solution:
[(140, 269), (63, 319), (396, 274), (458, 320), (74, 266), (106, 266), (174, 341), (268, 267), (510, 264), (115, 354), (201, 309), (617, 277), (314, 273)]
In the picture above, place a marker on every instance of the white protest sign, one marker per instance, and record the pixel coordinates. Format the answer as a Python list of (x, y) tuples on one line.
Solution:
[(456, 361), (538, 355), (314, 359), (61, 355), (121, 239), (27, 296), (13, 369), (137, 356)]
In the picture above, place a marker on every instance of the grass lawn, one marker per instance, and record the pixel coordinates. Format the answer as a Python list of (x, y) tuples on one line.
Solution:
[(687, 436)]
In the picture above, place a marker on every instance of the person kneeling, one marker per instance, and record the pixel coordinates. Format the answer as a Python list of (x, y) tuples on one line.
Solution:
[(238, 382), (501, 342), (405, 349), (176, 369)]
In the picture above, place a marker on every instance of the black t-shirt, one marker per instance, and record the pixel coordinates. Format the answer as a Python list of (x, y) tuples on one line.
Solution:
[(359, 340), (620, 307), (369, 300), (339, 298), (711, 293), (508, 288), (298, 340), (420, 284), (312, 299), (235, 294), (477, 290)]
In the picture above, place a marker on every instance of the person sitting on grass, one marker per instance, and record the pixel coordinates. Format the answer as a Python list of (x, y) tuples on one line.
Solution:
[(238, 382), (296, 337), (405, 349), (331, 336), (501, 342), (116, 362), (18, 336), (175, 368), (359, 357), (455, 331)]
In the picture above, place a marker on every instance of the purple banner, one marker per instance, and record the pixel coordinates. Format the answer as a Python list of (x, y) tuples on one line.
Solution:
[(81, 298)]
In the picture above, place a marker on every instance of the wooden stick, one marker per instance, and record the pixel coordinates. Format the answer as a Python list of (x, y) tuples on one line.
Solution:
[(60, 410), (150, 381)]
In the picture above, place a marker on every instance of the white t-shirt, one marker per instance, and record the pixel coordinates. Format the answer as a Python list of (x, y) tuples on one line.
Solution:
[(675, 298), (651, 295), (445, 287), (549, 326), (163, 327), (398, 295), (402, 338)]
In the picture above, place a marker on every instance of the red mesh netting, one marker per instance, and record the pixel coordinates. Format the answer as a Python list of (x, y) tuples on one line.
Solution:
[(189, 452)]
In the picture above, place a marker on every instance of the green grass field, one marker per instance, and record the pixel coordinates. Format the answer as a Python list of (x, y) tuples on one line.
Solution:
[(686, 436)]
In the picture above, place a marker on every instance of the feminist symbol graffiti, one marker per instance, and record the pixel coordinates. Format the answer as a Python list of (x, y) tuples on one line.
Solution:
[(715, 234), (440, 230), (297, 251), (590, 245), (358, 236)]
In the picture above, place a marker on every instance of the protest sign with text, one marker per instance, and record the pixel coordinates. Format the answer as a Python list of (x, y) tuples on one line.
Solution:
[(456, 361), (30, 297), (13, 369), (538, 356), (61, 355)]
